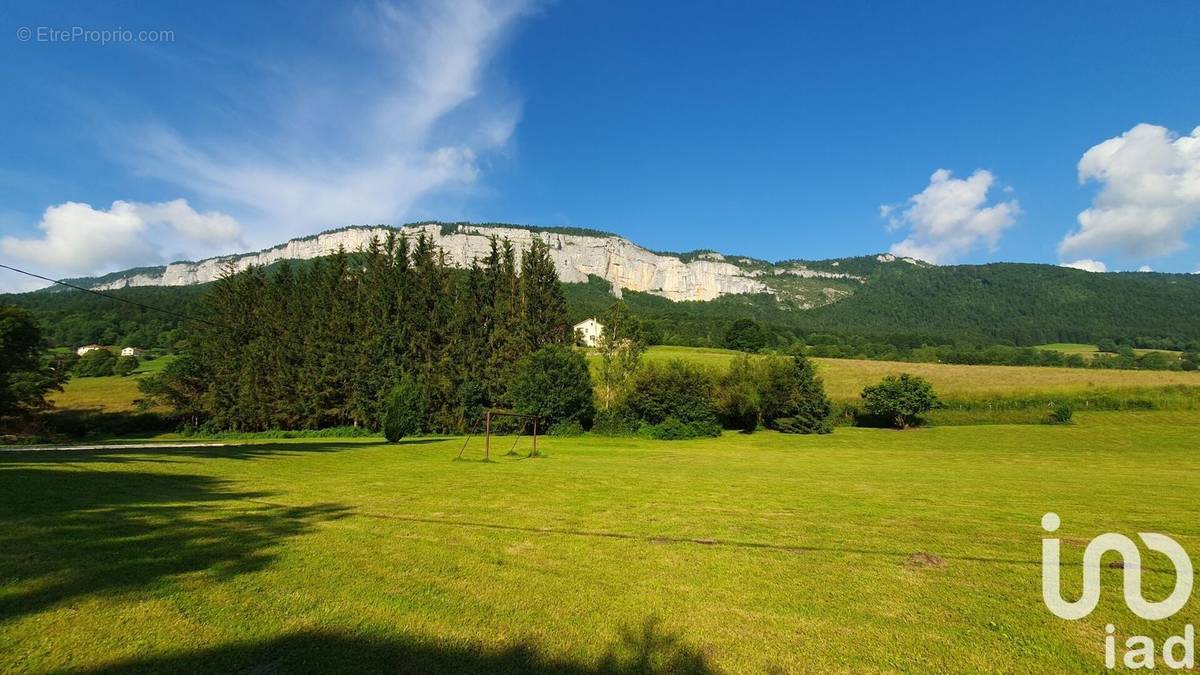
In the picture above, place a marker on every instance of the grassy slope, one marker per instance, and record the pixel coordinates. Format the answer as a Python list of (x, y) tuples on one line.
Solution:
[(744, 553), (110, 394)]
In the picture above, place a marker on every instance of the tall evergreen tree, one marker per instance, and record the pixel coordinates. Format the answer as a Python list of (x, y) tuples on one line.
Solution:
[(507, 345), (544, 321)]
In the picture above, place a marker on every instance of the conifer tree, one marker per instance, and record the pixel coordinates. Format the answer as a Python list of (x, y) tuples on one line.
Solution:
[(324, 344), (544, 321), (507, 343)]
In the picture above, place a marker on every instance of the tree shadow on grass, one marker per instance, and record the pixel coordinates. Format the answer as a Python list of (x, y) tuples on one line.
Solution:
[(647, 649), (216, 449), (70, 533)]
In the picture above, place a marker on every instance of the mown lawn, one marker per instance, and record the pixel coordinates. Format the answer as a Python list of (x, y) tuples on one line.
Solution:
[(862, 551)]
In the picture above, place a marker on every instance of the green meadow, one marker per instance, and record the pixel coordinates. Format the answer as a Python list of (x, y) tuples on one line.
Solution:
[(110, 394), (973, 394), (861, 551)]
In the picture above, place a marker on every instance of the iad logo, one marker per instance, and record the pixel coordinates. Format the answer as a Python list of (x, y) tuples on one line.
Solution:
[(1178, 651), (1131, 558)]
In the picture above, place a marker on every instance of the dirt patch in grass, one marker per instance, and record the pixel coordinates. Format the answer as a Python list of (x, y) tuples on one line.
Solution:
[(922, 560)]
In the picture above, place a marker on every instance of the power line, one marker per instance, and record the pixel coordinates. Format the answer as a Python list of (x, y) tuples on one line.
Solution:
[(178, 315)]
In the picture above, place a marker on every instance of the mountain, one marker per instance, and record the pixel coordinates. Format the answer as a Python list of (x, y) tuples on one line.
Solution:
[(1017, 303), (690, 298), (578, 254)]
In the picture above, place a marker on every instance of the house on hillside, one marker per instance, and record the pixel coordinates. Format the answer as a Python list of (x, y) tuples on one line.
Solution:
[(588, 331), (132, 351), (88, 348)]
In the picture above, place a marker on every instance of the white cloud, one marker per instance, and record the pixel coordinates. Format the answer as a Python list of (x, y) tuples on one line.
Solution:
[(1145, 268), (407, 110), (77, 239), (211, 226), (1087, 265), (951, 217), (418, 125), (1149, 197)]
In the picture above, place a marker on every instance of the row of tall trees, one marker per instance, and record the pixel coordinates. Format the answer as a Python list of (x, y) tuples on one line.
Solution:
[(324, 343)]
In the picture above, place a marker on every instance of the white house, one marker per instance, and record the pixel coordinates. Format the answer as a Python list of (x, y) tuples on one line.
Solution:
[(132, 351), (87, 348), (588, 331)]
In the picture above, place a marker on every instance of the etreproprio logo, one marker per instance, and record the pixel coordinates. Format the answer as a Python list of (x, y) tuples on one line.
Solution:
[(1178, 652)]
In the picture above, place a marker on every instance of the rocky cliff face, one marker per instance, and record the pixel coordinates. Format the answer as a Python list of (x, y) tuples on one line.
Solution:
[(621, 262)]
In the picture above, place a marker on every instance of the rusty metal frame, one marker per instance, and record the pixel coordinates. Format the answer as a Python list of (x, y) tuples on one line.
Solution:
[(487, 426)]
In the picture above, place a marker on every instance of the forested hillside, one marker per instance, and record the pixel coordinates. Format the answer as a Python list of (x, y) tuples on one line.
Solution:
[(1013, 303), (70, 318), (899, 304)]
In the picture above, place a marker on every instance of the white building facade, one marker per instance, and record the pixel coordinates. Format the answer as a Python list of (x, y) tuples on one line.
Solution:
[(587, 332)]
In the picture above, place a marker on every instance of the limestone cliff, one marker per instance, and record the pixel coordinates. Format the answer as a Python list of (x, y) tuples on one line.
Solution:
[(619, 261)]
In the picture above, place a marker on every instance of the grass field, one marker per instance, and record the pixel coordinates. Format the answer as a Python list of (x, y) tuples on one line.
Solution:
[(861, 551), (845, 378), (110, 394), (1071, 348), (1089, 351)]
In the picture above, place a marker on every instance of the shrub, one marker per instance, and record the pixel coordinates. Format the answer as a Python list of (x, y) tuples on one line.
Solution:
[(793, 397), (554, 384), (94, 424), (745, 335), (1061, 414), (405, 410), (1188, 366), (615, 422), (779, 392), (672, 429), (901, 400), (674, 389), (125, 365), (738, 396), (569, 428), (96, 363)]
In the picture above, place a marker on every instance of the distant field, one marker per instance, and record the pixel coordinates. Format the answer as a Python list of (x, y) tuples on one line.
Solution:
[(857, 552), (1090, 350), (109, 394), (1071, 348), (845, 378)]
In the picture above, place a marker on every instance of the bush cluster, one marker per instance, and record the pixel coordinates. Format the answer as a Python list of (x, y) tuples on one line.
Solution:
[(676, 400)]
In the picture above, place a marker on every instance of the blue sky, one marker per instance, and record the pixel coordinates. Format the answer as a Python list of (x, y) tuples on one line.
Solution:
[(955, 132)]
